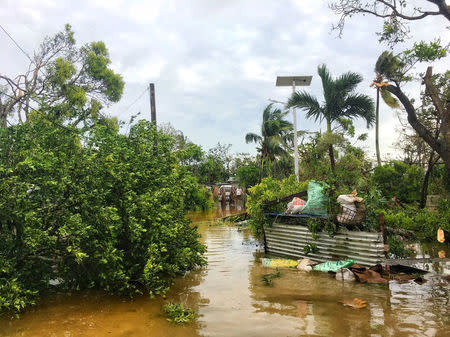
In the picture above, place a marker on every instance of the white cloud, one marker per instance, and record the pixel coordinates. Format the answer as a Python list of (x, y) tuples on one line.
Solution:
[(214, 63)]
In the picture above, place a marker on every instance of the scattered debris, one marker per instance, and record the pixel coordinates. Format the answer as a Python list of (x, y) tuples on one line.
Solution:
[(333, 266), (355, 303), (302, 307), (305, 264), (442, 235), (345, 274), (276, 263), (268, 278)]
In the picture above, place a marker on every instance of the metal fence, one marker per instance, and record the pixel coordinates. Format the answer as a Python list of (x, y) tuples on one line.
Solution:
[(288, 240)]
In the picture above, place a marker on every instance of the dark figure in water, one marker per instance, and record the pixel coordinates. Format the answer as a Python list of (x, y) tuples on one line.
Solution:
[(232, 195), (223, 196)]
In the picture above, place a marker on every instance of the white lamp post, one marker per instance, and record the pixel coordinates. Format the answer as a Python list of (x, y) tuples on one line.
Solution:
[(286, 81)]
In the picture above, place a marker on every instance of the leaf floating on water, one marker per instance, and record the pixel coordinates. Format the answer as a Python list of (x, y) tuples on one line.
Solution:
[(355, 303)]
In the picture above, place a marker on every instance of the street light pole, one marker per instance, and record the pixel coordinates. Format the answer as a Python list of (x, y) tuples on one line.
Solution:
[(283, 81), (295, 136)]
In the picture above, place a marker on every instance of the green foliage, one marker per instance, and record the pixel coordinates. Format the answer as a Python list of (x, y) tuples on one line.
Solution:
[(269, 189), (374, 203), (93, 209), (394, 67), (248, 175), (70, 83), (400, 180), (425, 52), (275, 132), (178, 314), (268, 278), (397, 249), (423, 223), (310, 248)]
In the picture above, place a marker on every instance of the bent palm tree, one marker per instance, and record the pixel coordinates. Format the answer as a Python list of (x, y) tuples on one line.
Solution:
[(274, 132), (390, 100), (340, 101)]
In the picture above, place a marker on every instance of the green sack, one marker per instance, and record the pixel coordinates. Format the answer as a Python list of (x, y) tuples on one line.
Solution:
[(333, 266), (317, 199)]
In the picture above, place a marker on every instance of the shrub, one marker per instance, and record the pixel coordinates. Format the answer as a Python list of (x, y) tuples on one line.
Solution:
[(400, 180), (423, 223), (177, 314), (93, 209)]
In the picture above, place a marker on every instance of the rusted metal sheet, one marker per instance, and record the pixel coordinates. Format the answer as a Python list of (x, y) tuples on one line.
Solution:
[(289, 240)]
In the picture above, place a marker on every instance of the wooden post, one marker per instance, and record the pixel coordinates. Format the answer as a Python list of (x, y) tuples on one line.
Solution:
[(382, 223), (152, 102)]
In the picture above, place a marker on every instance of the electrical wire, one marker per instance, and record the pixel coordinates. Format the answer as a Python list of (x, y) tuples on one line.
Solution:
[(18, 46), (137, 99)]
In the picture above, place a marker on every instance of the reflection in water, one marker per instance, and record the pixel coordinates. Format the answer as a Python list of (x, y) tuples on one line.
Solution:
[(232, 300)]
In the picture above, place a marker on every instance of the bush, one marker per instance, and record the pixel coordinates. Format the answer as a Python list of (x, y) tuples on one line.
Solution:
[(269, 189), (423, 223), (93, 209), (400, 180), (177, 314)]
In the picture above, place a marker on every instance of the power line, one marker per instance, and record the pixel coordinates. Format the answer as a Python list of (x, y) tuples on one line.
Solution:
[(137, 99), (18, 46)]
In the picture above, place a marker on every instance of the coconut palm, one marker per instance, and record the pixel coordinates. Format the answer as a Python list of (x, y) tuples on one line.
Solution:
[(275, 131), (340, 102), (390, 100)]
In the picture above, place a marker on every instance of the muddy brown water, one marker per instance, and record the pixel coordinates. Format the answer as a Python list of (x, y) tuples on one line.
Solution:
[(231, 300)]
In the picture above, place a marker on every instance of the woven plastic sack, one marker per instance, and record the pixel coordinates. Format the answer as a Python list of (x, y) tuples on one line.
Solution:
[(276, 263), (333, 266), (317, 199)]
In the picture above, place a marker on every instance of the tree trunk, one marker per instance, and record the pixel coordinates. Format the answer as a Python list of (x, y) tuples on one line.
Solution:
[(426, 178), (377, 111), (330, 149), (441, 146)]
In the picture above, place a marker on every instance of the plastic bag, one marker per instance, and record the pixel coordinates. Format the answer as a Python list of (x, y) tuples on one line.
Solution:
[(305, 264), (334, 266), (345, 274), (295, 206), (317, 200), (275, 263)]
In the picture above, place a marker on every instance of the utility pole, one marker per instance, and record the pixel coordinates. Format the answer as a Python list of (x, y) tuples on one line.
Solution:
[(152, 102)]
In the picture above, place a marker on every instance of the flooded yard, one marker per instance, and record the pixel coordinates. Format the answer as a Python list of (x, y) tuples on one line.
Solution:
[(232, 300)]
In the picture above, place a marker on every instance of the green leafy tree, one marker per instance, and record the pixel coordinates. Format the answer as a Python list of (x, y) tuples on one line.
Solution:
[(70, 83), (395, 69), (272, 142), (247, 175), (93, 209), (397, 179), (396, 15), (340, 103)]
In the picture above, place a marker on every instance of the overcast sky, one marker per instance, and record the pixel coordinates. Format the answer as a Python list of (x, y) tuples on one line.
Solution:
[(213, 62)]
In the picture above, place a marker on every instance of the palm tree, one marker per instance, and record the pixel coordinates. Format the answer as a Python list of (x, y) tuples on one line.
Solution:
[(390, 100), (340, 101), (274, 134)]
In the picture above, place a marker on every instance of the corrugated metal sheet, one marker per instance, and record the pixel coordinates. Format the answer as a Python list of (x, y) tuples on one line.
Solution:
[(288, 240)]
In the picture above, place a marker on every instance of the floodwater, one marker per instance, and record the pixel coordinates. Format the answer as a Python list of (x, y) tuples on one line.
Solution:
[(232, 300)]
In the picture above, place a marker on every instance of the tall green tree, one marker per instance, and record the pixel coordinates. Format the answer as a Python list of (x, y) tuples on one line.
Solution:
[(340, 103), (275, 130), (68, 82)]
